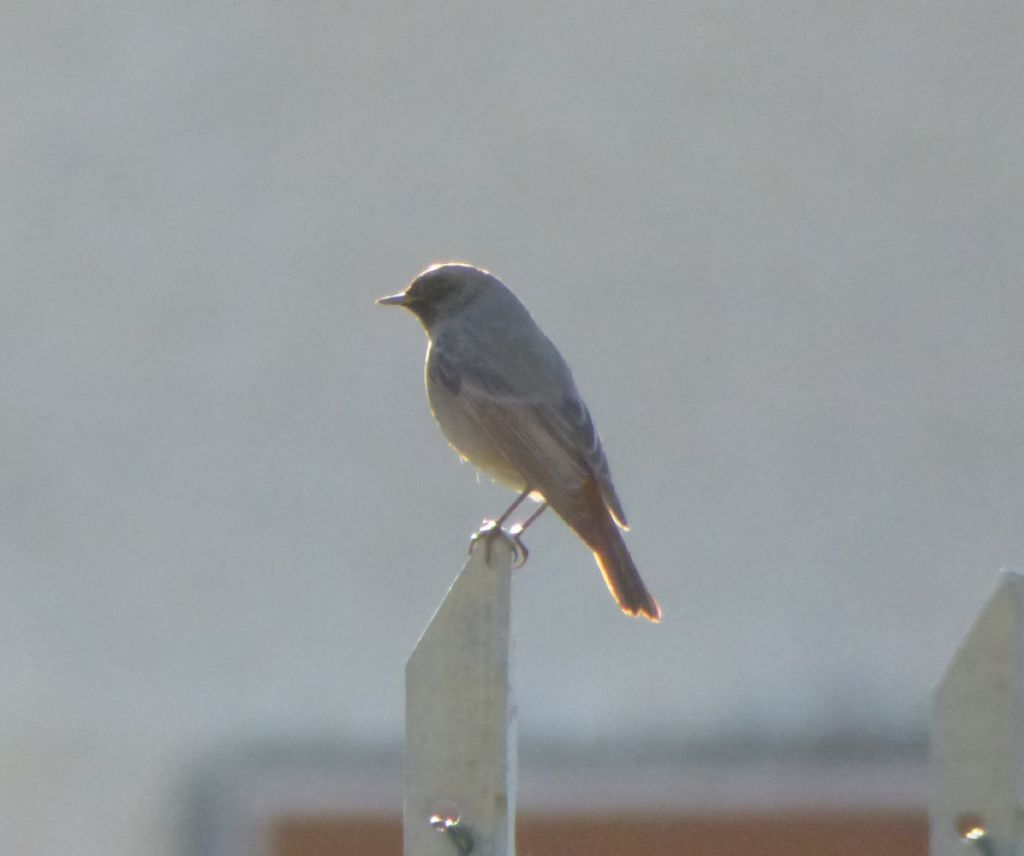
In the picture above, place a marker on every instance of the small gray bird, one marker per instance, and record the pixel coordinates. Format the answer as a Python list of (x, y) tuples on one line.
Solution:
[(507, 403)]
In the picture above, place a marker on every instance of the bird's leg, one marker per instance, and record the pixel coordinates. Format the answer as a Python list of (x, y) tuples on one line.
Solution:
[(516, 533), (508, 511), (492, 528)]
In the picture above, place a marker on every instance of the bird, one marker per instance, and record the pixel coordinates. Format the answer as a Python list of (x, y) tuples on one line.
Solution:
[(506, 401)]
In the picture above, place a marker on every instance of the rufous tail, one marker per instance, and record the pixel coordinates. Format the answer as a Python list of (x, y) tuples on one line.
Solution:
[(586, 512), (620, 573)]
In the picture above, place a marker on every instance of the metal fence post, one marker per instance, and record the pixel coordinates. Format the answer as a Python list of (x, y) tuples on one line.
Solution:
[(460, 754), (977, 739)]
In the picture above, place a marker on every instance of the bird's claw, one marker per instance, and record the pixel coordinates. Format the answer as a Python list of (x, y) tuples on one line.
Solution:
[(489, 530), (520, 553)]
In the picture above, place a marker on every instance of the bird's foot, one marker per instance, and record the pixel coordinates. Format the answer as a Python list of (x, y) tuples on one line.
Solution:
[(521, 554), (489, 530)]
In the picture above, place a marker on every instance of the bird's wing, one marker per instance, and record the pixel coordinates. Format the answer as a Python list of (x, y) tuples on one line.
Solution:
[(539, 423), (570, 420)]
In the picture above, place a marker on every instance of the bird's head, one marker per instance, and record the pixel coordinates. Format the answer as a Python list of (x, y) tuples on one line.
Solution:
[(442, 290)]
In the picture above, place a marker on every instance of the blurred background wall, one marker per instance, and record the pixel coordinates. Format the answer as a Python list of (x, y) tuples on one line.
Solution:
[(780, 244)]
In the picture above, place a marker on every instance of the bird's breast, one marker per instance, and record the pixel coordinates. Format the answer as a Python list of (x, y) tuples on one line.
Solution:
[(466, 435)]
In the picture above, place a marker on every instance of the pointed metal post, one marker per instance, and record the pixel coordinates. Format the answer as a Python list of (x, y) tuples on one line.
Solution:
[(977, 739), (460, 748)]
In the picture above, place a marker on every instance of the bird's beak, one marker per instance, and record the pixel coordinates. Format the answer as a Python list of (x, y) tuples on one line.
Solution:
[(399, 299)]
